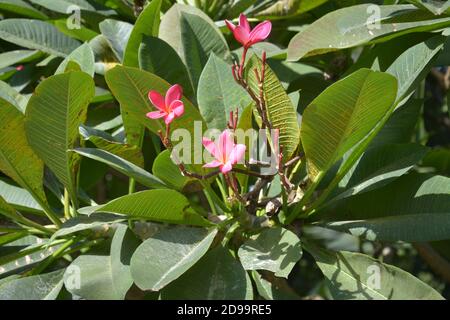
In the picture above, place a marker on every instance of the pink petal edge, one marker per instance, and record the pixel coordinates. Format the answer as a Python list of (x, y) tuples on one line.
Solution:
[(157, 100), (175, 92)]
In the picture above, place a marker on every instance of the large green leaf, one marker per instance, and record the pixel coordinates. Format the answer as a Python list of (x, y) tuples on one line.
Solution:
[(117, 34), (437, 7), (130, 86), (357, 25), (281, 112), (357, 276), (39, 35), (16, 56), (167, 171), (41, 287), (168, 254), (400, 126), (218, 94), (83, 56), (217, 276), (22, 8), (274, 249), (122, 165), (104, 277), (105, 141), (271, 291), (24, 253), (379, 166), (343, 115), (17, 159), (146, 24), (413, 208), (54, 113), (412, 66), (13, 96), (156, 205), (64, 6), (19, 198), (194, 36), (288, 8), (158, 57)]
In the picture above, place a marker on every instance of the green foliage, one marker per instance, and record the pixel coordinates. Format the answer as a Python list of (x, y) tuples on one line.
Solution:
[(96, 204)]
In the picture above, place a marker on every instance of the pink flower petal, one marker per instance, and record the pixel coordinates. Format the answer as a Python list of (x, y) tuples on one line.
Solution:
[(157, 100), (175, 92), (225, 145), (241, 35), (213, 164), (237, 154), (230, 25), (155, 114), (177, 106), (243, 22), (169, 118), (227, 167), (260, 32), (210, 146)]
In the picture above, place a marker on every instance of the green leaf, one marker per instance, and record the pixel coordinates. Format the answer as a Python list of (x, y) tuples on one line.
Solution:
[(281, 112), (146, 24), (104, 141), (157, 57), (117, 34), (270, 291), (12, 96), (17, 159), (130, 86), (83, 56), (16, 56), (225, 279), (274, 249), (194, 36), (8, 211), (343, 115), (64, 6), (218, 94), (19, 198), (41, 287), (54, 113), (400, 126), (104, 277), (358, 25), (22, 8), (434, 6), (413, 65), (156, 205), (360, 277), (413, 208), (100, 221), (39, 35), (167, 171), (82, 34), (127, 168), (289, 8), (169, 253), (379, 166), (20, 255)]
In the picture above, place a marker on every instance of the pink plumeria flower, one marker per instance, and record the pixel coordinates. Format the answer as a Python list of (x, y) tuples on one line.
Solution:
[(247, 37), (169, 107), (225, 152)]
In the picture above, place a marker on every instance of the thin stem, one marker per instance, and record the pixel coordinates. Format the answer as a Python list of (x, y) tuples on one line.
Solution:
[(131, 186), (42, 266), (66, 204)]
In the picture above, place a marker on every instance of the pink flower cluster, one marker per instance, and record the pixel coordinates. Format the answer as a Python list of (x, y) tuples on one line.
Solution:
[(225, 151)]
